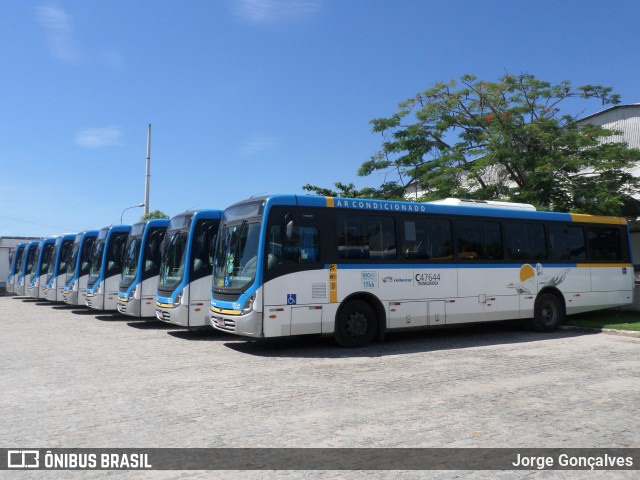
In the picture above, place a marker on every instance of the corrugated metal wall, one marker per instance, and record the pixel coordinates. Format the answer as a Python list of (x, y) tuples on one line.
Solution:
[(625, 119)]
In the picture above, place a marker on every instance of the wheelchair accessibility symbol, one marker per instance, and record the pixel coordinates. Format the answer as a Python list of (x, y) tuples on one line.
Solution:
[(291, 299)]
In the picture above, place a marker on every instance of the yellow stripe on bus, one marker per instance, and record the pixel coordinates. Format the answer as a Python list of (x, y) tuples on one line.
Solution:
[(329, 202), (583, 218), (164, 305), (333, 283), (226, 312)]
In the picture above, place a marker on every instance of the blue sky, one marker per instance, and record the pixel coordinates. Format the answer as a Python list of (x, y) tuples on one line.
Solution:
[(248, 97)]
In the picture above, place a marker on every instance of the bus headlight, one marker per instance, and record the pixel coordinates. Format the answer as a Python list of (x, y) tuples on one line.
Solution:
[(248, 305), (176, 302), (132, 294)]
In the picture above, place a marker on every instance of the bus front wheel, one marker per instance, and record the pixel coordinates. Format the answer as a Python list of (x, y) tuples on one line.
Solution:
[(548, 313), (356, 324)]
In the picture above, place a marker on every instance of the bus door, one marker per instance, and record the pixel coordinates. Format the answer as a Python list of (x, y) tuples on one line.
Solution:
[(296, 284), (201, 267)]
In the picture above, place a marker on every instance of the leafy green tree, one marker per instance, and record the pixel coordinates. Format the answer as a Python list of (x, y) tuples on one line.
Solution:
[(155, 214), (506, 140), (386, 190)]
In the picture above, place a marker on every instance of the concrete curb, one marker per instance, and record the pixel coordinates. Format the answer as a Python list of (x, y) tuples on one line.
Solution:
[(608, 331)]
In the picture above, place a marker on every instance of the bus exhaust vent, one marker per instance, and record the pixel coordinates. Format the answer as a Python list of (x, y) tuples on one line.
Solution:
[(319, 290)]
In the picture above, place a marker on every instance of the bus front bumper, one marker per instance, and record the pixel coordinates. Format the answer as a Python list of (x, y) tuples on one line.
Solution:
[(176, 316), (249, 325), (129, 307)]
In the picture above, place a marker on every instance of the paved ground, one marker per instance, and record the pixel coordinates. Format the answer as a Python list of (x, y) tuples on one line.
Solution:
[(73, 378)]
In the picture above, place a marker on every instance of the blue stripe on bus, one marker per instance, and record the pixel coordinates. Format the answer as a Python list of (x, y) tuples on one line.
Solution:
[(417, 207)]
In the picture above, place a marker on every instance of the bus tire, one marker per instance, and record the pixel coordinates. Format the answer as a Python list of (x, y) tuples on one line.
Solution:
[(356, 324), (548, 313)]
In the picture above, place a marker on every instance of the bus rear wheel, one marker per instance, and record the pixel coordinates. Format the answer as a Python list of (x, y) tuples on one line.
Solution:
[(356, 325), (548, 313)]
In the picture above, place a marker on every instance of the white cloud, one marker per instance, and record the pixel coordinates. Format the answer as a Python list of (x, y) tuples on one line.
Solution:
[(57, 25), (270, 11), (258, 144), (99, 137)]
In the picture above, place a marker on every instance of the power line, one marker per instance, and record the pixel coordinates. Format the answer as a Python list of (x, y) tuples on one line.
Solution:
[(65, 229)]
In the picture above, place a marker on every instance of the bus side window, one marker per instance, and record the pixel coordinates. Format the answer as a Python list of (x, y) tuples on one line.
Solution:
[(427, 239), (86, 256), (567, 243), (152, 253), (201, 253), (274, 247), (302, 247), (116, 253), (479, 240), (362, 237), (525, 241), (308, 244), (605, 244)]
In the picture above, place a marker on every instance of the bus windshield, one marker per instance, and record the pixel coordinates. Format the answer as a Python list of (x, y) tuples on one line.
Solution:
[(20, 260), (32, 259), (80, 249), (47, 257), (130, 266), (96, 261), (63, 258), (52, 263), (115, 253), (236, 256), (36, 256), (174, 259), (73, 258)]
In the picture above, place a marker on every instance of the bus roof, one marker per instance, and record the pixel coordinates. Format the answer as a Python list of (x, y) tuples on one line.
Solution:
[(182, 220), (85, 233), (152, 221), (446, 207), (115, 228), (140, 227)]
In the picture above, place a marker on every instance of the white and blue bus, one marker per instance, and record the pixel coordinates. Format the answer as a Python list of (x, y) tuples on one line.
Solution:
[(140, 269), (356, 268), (185, 269), (16, 265), (57, 271), (35, 288), (75, 287), (105, 267), (26, 268)]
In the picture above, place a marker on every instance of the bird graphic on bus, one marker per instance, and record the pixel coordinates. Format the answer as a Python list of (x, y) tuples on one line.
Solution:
[(531, 280)]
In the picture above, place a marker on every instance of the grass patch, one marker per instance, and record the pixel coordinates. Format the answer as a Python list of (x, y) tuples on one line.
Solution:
[(613, 318)]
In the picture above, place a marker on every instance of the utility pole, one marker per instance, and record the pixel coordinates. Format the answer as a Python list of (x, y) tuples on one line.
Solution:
[(148, 177)]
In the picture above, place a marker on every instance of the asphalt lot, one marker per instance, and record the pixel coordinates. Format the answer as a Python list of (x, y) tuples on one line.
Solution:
[(77, 378)]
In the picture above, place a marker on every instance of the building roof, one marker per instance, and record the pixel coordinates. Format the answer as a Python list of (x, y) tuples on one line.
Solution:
[(615, 107)]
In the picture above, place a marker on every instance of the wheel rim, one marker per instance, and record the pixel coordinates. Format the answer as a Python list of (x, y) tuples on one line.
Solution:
[(356, 324), (549, 313)]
